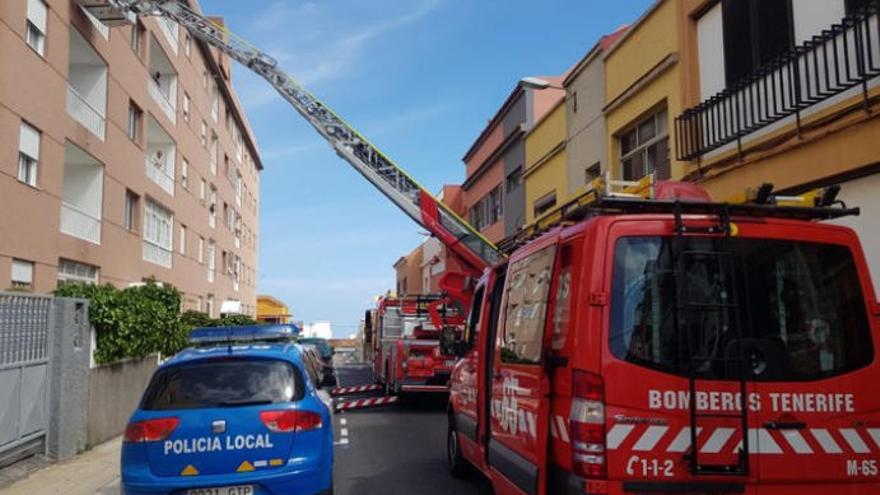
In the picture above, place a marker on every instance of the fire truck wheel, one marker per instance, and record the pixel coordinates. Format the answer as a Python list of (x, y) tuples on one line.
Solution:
[(458, 465)]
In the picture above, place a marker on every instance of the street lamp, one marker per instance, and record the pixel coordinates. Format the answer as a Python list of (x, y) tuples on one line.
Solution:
[(537, 83)]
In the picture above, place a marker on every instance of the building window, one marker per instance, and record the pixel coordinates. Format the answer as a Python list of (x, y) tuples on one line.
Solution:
[(131, 206), (544, 204), (187, 44), (526, 301), (215, 101), (36, 25), (209, 305), (135, 117), (182, 243), (184, 173), (74, 271), (644, 149), (185, 107), (158, 224), (22, 274), (202, 188), (755, 32), (592, 172), (203, 135), (201, 253), (215, 152), (488, 210), (212, 261), (514, 179), (137, 35), (28, 154)]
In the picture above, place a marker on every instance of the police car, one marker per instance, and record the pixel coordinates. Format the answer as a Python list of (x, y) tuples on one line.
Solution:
[(236, 414)]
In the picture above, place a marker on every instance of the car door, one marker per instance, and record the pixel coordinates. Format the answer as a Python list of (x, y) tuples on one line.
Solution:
[(465, 380), (520, 385)]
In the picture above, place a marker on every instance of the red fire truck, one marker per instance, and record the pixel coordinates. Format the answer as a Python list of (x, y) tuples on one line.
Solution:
[(406, 344), (674, 345)]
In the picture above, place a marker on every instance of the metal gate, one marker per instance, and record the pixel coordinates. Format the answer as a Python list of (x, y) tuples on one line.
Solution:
[(24, 374)]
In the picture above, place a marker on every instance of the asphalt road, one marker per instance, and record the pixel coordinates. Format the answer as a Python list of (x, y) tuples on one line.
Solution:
[(396, 449)]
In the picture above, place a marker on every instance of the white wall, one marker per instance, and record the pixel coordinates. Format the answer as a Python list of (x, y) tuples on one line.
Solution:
[(710, 44), (90, 82), (864, 194), (83, 187), (812, 16)]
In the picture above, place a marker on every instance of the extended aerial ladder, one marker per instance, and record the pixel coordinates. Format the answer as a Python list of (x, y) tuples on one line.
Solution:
[(462, 239)]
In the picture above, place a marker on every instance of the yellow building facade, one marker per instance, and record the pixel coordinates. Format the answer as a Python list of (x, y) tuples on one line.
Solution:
[(545, 175), (643, 93), (271, 310)]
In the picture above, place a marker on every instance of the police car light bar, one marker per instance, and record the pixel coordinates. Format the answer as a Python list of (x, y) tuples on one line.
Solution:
[(249, 333)]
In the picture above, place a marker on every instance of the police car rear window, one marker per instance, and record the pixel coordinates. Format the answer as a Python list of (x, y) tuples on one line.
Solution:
[(769, 310), (223, 383)]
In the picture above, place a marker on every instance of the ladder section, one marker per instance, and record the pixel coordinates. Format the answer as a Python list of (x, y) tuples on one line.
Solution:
[(707, 320), (458, 235)]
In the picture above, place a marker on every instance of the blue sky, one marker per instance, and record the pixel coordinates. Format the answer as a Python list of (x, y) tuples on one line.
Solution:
[(420, 79)]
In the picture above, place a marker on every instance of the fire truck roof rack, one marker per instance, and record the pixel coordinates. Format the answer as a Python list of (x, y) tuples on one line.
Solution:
[(605, 196)]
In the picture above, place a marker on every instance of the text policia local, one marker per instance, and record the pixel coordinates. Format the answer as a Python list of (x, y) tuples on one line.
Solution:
[(730, 401), (213, 444)]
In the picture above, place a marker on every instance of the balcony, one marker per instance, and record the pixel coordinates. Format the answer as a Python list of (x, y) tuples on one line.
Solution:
[(170, 31), (82, 197), (162, 84), (839, 63), (87, 86), (157, 254), (160, 157)]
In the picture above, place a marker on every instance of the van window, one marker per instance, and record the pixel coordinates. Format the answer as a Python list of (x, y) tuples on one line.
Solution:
[(562, 306), (473, 326), (525, 309), (796, 308), (392, 323), (222, 382)]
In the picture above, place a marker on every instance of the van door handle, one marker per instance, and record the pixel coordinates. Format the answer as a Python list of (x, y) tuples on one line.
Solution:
[(785, 425)]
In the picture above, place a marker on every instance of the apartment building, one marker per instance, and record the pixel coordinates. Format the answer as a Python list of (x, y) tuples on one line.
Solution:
[(126, 156)]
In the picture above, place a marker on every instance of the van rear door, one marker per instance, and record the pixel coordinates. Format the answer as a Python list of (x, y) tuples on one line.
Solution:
[(814, 365)]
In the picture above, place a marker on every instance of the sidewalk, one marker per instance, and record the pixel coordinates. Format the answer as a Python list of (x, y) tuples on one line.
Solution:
[(90, 473)]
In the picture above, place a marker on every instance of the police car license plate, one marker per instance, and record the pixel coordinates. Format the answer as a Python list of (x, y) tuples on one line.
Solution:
[(223, 490)]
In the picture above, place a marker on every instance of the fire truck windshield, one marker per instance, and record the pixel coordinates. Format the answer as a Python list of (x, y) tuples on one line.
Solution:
[(720, 309)]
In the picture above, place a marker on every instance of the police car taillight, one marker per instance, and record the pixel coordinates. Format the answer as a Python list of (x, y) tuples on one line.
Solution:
[(150, 430), (289, 420), (587, 421)]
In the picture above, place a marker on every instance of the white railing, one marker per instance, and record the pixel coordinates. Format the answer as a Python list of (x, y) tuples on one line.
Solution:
[(163, 101), (157, 254), (80, 224), (212, 221), (169, 29), (84, 113), (158, 174)]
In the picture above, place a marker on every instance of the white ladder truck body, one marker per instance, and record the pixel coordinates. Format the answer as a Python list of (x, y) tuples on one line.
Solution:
[(462, 239)]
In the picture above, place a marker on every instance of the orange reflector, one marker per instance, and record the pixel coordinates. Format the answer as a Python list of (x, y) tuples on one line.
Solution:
[(275, 462), (189, 470), (734, 229), (245, 467)]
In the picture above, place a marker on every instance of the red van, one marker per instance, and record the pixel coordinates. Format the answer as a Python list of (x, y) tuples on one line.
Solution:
[(674, 345)]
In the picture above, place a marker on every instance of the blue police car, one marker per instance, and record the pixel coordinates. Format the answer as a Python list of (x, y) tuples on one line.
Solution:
[(236, 414)]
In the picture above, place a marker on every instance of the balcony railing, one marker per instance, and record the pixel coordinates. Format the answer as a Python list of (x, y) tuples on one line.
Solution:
[(84, 113), (163, 101), (156, 172), (78, 223), (842, 57), (157, 254)]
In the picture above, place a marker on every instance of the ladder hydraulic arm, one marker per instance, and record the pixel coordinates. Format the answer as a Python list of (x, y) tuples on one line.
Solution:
[(456, 234)]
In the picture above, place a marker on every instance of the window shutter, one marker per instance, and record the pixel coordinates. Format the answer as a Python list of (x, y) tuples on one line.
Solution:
[(22, 271), (29, 141), (36, 13)]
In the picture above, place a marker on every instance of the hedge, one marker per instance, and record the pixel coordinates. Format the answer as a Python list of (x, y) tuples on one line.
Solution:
[(138, 321)]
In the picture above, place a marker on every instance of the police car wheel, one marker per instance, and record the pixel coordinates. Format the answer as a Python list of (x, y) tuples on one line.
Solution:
[(458, 465)]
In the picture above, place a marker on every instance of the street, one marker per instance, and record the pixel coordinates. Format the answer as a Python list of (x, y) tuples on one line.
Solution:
[(394, 450)]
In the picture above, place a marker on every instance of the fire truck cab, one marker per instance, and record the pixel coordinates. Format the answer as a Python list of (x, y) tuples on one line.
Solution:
[(674, 345), (407, 355)]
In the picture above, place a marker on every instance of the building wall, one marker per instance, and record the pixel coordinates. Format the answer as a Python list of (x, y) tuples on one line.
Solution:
[(546, 160), (409, 272), (642, 74), (272, 310), (38, 95), (586, 142)]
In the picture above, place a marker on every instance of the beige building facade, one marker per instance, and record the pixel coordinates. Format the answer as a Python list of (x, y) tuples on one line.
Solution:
[(125, 155)]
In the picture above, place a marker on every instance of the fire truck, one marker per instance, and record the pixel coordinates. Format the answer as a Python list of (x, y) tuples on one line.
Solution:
[(659, 342), (406, 343), (653, 341)]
